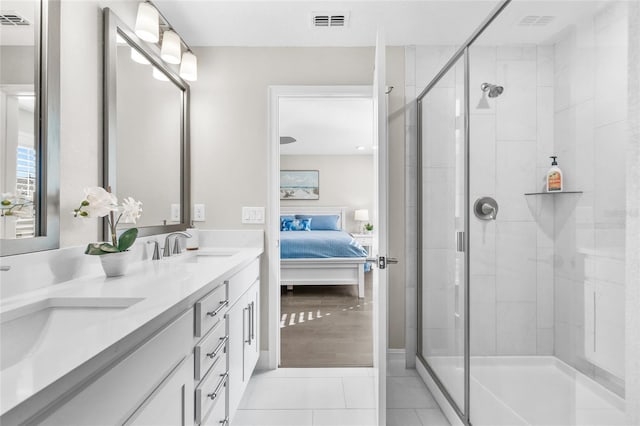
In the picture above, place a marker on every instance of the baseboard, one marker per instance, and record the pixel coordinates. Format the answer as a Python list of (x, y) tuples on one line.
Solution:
[(446, 408), (263, 361)]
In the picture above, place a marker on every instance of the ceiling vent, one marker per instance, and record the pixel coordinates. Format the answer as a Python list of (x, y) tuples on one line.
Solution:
[(536, 20), (13, 19), (327, 19)]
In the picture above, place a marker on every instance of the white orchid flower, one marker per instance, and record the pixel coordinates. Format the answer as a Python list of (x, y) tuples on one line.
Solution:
[(97, 203), (130, 211)]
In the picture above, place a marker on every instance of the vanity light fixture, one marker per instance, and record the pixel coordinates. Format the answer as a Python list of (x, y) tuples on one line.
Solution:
[(139, 57), (148, 23), (171, 50), (189, 66), (159, 75)]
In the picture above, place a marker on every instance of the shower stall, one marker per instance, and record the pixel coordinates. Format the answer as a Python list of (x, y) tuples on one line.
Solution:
[(521, 292)]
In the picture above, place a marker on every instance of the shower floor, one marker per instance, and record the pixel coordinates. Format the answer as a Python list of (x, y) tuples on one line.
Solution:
[(532, 391)]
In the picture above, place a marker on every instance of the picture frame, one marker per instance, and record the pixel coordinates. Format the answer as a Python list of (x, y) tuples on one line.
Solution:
[(299, 184)]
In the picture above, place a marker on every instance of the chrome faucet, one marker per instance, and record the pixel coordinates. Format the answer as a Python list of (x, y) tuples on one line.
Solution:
[(166, 252), (156, 250)]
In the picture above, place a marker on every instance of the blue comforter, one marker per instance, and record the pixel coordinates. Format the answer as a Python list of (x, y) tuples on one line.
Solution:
[(316, 244)]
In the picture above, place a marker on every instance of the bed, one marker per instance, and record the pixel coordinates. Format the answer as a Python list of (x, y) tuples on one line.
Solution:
[(321, 257)]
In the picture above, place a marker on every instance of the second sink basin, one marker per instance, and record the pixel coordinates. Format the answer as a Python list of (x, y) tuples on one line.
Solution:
[(38, 325)]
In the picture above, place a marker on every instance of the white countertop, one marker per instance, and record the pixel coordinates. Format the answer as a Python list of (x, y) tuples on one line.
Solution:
[(167, 288)]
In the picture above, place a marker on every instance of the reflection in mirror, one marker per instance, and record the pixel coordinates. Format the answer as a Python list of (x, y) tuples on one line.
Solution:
[(149, 111), (18, 117), (146, 130)]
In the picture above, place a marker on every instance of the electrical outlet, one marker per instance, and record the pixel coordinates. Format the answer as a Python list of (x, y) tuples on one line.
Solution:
[(253, 215), (175, 213), (198, 213)]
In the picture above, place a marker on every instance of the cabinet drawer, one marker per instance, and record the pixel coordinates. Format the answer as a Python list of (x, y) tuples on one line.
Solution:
[(218, 414), (212, 390), (212, 347), (240, 282), (210, 310)]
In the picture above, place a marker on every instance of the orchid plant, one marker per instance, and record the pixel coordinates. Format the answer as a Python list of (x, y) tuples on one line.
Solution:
[(99, 202), (15, 205)]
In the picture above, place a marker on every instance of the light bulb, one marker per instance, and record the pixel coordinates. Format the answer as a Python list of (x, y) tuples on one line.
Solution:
[(189, 66), (147, 23), (171, 47)]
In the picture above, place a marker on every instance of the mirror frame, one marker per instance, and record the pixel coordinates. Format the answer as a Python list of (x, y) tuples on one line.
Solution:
[(47, 129), (113, 26)]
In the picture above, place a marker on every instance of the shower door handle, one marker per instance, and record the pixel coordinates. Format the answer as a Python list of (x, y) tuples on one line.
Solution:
[(460, 241)]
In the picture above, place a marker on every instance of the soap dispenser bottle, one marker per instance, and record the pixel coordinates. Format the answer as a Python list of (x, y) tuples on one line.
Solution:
[(555, 180)]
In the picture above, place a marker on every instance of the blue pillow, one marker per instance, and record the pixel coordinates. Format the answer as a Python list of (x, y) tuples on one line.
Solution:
[(296, 225), (283, 218), (327, 222)]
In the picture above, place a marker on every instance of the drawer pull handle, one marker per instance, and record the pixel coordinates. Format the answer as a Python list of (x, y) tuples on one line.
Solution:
[(222, 344), (223, 304), (225, 422), (213, 395)]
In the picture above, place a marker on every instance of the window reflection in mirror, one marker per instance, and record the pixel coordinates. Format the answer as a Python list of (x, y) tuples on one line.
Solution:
[(18, 117), (148, 162)]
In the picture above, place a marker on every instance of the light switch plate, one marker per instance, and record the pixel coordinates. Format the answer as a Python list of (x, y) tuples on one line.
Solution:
[(253, 215), (175, 213), (198, 213)]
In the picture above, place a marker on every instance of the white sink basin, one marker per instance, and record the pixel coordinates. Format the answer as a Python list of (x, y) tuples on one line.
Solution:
[(38, 325)]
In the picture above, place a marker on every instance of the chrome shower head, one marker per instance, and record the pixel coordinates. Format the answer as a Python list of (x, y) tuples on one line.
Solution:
[(493, 89)]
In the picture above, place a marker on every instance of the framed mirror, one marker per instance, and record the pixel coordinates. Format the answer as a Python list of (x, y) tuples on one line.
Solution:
[(29, 126), (146, 130)]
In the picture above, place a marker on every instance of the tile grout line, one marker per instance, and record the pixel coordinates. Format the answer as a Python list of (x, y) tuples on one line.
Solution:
[(344, 392)]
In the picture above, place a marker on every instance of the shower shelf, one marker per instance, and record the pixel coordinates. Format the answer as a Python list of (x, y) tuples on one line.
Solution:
[(553, 193)]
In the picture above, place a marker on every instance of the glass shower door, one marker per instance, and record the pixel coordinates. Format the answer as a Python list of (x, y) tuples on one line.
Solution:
[(442, 222)]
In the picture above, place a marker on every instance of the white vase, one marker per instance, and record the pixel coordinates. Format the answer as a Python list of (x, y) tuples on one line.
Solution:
[(115, 264)]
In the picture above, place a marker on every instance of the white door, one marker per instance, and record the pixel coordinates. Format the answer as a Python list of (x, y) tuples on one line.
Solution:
[(380, 236)]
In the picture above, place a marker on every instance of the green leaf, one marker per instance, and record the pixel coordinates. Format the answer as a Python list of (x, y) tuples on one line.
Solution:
[(94, 249), (127, 239), (108, 248)]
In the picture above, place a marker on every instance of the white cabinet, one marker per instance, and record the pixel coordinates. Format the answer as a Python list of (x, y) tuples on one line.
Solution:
[(172, 402), (244, 347), (153, 370), (192, 372), (251, 344)]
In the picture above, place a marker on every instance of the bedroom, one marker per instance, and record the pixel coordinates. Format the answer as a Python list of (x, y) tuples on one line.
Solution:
[(326, 175)]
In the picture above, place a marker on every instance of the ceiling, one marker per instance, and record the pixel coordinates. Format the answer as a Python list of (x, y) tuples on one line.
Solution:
[(327, 126), (288, 23), (417, 22), (22, 35)]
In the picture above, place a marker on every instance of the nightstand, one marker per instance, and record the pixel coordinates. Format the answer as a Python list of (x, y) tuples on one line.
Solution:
[(365, 240)]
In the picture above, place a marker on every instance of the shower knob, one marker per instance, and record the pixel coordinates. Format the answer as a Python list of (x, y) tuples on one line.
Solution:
[(486, 208)]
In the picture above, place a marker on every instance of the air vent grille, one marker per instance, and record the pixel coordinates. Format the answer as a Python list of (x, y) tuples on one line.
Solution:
[(327, 20), (536, 20), (13, 19)]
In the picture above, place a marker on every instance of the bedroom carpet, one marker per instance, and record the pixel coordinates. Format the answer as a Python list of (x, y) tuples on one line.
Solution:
[(326, 326)]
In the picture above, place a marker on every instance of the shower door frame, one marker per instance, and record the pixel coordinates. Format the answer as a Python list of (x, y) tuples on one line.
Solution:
[(462, 52)]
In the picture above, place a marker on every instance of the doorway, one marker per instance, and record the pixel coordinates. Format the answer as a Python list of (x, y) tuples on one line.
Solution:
[(323, 305), (326, 187)]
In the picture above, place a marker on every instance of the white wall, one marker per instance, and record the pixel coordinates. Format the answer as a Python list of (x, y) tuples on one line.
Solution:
[(229, 126), (590, 133), (81, 109), (229, 136), (345, 181)]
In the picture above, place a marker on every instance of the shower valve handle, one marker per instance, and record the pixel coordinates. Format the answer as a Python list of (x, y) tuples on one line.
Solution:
[(486, 208)]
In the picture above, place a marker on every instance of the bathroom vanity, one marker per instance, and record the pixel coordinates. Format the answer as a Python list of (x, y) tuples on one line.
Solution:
[(173, 342)]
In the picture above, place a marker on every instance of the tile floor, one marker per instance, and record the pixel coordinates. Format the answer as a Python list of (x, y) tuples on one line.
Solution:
[(336, 397)]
